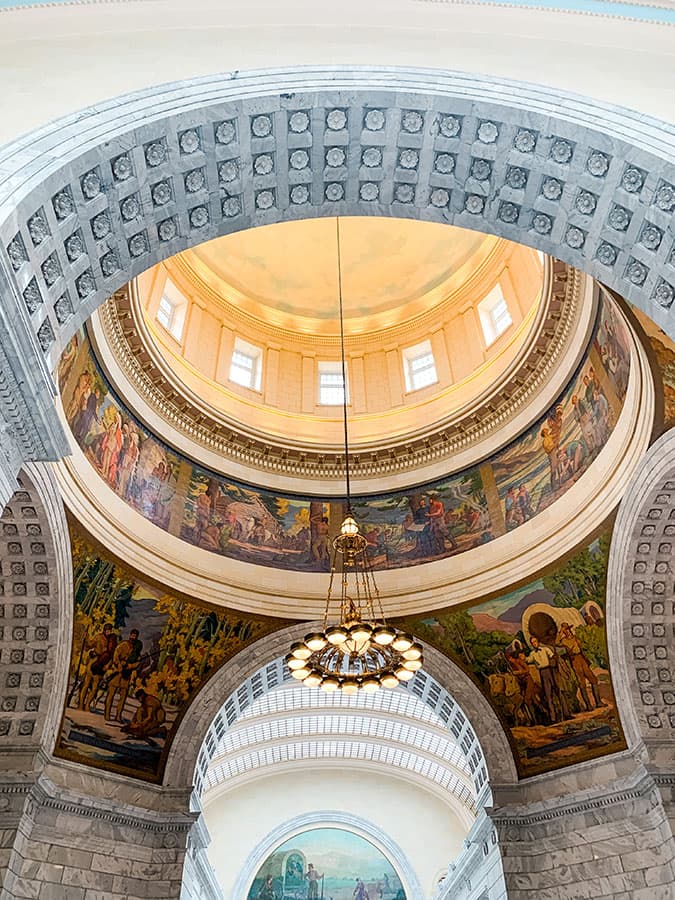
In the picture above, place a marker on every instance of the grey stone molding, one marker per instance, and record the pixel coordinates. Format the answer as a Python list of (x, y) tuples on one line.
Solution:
[(611, 840), (557, 327), (59, 842), (93, 199), (328, 818), (641, 786), (44, 794)]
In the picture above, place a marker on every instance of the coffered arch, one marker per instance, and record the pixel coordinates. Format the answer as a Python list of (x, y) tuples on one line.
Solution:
[(640, 607), (98, 197)]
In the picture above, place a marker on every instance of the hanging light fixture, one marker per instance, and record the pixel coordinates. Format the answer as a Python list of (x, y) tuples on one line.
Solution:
[(359, 651)]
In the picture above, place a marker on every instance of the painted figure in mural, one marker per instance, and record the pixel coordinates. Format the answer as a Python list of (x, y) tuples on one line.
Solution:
[(320, 543), (125, 662), (202, 514), (313, 878), (148, 720), (438, 530), (360, 891), (110, 447), (267, 891), (101, 655), (580, 666), (422, 527), (529, 690), (584, 417), (600, 416), (550, 441), (128, 460), (80, 396), (546, 661), (525, 503), (570, 460), (512, 509), (86, 417)]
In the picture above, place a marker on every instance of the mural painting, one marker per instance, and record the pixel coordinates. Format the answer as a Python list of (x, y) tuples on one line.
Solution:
[(430, 522), (664, 351), (540, 466), (139, 656), (539, 654), (326, 864)]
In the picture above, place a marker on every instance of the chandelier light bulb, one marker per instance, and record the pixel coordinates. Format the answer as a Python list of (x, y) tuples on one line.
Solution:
[(349, 686), (402, 642), (336, 635), (384, 635), (389, 681), (313, 679), (370, 685), (412, 665), (316, 641), (414, 652), (294, 663), (300, 674), (349, 527), (404, 674), (358, 638), (329, 685), (300, 650)]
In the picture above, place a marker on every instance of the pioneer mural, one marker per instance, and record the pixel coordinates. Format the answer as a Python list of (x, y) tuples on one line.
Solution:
[(326, 864), (664, 358), (539, 654), (139, 656), (429, 522)]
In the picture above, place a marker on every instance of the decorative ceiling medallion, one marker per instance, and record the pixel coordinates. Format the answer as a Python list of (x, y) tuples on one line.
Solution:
[(160, 389)]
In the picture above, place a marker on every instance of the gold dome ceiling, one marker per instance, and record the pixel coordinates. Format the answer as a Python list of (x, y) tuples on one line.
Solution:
[(272, 292), (392, 270)]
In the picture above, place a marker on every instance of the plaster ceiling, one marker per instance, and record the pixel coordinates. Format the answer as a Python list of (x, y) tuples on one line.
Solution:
[(287, 275)]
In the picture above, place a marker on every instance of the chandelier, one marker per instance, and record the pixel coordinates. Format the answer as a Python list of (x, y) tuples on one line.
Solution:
[(358, 651)]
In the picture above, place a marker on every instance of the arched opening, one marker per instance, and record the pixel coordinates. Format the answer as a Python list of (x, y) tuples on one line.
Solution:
[(378, 764)]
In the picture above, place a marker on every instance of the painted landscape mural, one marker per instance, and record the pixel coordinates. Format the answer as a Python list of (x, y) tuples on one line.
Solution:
[(326, 864), (539, 654), (139, 656), (664, 353), (430, 522)]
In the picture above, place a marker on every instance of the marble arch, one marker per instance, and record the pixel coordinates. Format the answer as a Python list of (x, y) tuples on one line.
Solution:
[(90, 201), (182, 762), (640, 608)]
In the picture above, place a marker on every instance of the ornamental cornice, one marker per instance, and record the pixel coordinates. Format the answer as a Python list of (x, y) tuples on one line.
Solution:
[(167, 397), (643, 786), (45, 795)]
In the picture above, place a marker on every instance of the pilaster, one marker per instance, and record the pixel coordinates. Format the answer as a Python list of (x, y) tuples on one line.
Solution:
[(61, 844), (609, 840)]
